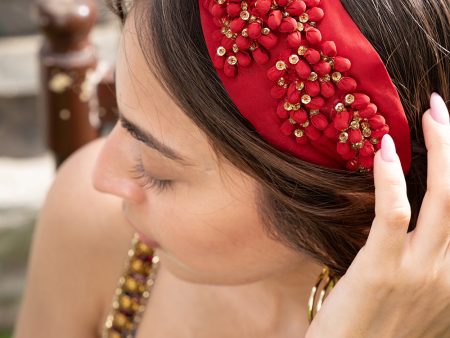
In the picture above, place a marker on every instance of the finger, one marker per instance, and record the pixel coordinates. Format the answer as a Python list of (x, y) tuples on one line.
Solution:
[(432, 233), (392, 209)]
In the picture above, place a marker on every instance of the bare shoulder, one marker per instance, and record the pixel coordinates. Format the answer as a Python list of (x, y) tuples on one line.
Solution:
[(78, 252)]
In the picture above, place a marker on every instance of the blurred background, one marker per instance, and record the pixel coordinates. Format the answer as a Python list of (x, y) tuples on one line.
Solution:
[(56, 94)]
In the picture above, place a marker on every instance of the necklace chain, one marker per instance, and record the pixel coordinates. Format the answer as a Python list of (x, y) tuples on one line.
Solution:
[(134, 288)]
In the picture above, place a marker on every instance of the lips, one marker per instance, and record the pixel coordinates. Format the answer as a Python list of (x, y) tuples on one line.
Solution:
[(144, 238)]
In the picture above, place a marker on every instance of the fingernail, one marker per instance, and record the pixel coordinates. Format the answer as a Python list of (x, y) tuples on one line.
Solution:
[(388, 152), (439, 110)]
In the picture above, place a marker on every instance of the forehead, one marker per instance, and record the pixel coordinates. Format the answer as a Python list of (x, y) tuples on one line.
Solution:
[(143, 100)]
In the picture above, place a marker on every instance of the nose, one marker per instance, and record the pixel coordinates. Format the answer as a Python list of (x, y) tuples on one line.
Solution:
[(111, 173)]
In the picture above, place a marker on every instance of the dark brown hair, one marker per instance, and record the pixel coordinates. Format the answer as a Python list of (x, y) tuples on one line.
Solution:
[(325, 213)]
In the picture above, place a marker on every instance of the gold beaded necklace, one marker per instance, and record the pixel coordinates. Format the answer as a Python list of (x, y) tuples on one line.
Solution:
[(134, 288)]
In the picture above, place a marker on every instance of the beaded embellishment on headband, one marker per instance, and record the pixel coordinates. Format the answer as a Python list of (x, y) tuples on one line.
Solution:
[(312, 84)]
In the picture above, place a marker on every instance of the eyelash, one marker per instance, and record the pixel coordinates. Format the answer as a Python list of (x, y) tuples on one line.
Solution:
[(145, 180)]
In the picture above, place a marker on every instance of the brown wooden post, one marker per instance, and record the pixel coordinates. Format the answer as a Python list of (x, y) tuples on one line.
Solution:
[(68, 69)]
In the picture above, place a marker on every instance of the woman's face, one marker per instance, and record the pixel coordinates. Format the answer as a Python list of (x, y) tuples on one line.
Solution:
[(206, 221)]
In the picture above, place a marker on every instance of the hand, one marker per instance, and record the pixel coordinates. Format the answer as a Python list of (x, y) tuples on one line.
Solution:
[(398, 286)]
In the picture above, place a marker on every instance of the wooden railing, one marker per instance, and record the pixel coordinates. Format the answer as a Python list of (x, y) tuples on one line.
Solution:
[(77, 89)]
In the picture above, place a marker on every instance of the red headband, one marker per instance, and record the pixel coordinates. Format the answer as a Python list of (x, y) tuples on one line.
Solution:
[(306, 78)]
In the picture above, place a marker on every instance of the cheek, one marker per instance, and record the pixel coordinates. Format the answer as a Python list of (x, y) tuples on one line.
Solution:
[(214, 237)]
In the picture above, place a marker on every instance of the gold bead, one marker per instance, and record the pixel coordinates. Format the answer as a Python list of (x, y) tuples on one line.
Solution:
[(265, 31), (143, 249), (313, 112), (304, 18), (125, 302), (245, 15), (339, 107), (300, 27), (253, 46), (349, 99), (130, 284), (221, 2), (281, 81), (297, 106), (244, 5), (287, 105), (374, 140), (253, 18), (298, 132), (229, 34), (313, 76), (354, 125), (120, 321), (343, 137), (232, 60), (221, 51), (299, 85), (336, 76), (365, 125), (280, 65), (367, 132), (235, 48), (305, 124), (359, 145), (223, 30), (244, 32), (226, 22), (325, 78), (293, 59), (306, 99), (114, 334), (137, 265), (292, 121), (285, 14), (302, 50)]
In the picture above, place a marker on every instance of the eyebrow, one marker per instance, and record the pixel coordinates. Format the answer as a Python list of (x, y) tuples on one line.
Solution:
[(152, 142)]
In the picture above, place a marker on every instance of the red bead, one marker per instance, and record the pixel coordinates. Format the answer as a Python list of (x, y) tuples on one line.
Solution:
[(312, 133), (268, 41), (369, 111), (294, 39), (329, 48), (300, 116), (355, 135), (319, 121), (316, 103), (237, 25), (287, 128), (282, 3), (315, 14), (342, 64), (229, 70), (302, 140), (274, 74), (377, 121), (342, 120), (379, 133), (343, 148), (352, 165), (288, 25), (218, 11), (254, 30), (263, 6), (302, 69), (312, 88), (260, 56), (361, 101), (234, 10), (331, 132), (368, 149), (312, 3), (327, 89), (227, 43), (244, 59), (281, 112), (347, 84), (274, 19), (366, 161), (296, 8), (322, 68), (243, 43), (313, 35), (294, 97), (312, 56), (278, 92)]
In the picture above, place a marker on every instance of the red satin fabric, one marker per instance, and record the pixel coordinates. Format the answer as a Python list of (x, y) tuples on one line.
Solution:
[(250, 89)]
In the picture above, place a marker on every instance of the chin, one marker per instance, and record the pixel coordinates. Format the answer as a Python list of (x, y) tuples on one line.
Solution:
[(210, 277)]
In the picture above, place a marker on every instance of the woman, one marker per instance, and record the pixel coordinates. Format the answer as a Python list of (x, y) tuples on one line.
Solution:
[(242, 230)]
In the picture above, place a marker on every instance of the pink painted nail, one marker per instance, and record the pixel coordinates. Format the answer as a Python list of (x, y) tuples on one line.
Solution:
[(388, 152), (439, 110)]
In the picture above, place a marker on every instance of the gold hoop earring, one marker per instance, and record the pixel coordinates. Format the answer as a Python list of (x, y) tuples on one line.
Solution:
[(325, 282)]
